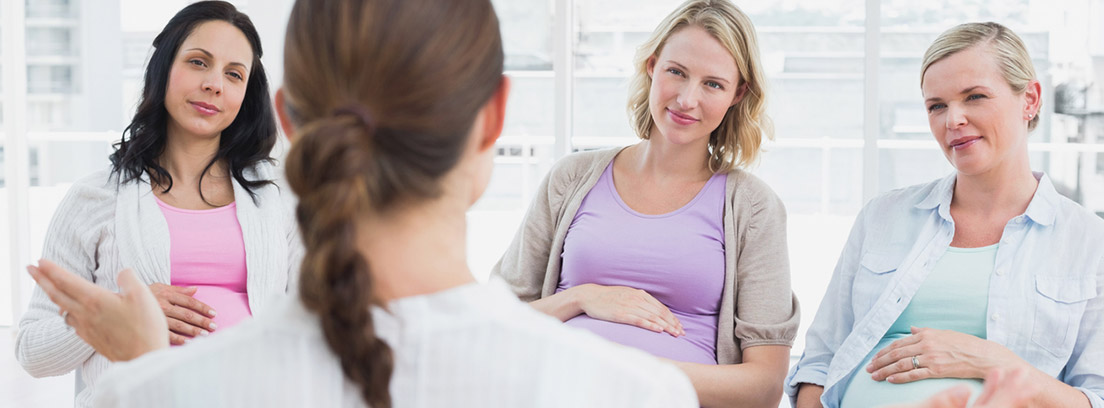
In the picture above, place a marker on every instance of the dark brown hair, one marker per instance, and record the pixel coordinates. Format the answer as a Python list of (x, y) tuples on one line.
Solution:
[(244, 144), (384, 94)]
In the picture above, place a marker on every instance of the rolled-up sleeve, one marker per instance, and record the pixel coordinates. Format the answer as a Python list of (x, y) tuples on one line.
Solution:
[(767, 311)]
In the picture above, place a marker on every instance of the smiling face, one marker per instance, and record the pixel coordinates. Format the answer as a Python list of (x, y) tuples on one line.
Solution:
[(694, 82), (207, 81), (975, 116)]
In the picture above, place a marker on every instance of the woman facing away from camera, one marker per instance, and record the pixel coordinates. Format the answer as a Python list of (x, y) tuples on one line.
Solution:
[(668, 245), (187, 202), (986, 270), (393, 129)]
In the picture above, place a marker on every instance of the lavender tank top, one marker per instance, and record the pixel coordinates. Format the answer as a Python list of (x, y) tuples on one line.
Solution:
[(676, 257)]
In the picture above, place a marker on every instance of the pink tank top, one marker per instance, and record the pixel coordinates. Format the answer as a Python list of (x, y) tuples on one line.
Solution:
[(206, 250)]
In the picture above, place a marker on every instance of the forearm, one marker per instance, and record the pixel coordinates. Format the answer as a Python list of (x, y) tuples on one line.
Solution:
[(808, 396), (753, 383), (1054, 393), (48, 347), (563, 305)]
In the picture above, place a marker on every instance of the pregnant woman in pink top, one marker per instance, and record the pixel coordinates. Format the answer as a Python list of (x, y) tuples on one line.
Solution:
[(189, 202), (668, 245)]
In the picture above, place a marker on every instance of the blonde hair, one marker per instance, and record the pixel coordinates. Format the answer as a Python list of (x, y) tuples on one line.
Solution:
[(736, 141), (1007, 47)]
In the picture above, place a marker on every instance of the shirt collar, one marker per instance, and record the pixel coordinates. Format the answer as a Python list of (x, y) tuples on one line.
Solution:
[(1040, 210)]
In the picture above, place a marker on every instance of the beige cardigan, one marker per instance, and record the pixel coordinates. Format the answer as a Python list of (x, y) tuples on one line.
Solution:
[(758, 306)]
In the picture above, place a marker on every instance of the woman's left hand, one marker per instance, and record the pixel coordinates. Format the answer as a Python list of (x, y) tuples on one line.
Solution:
[(932, 353)]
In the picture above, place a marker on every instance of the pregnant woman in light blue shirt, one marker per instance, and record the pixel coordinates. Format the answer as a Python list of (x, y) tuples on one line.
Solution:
[(988, 268)]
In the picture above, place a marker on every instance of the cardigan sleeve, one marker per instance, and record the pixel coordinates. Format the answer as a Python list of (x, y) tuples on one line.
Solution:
[(45, 345), (767, 311)]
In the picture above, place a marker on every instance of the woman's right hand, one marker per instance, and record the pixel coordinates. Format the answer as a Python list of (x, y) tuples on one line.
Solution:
[(120, 326), (621, 304), (187, 316)]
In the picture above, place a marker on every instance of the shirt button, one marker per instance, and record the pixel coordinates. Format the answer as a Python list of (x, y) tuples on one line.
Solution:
[(995, 316), (1000, 272)]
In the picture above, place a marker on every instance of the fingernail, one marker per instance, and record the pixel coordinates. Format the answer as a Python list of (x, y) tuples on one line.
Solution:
[(203, 332), (213, 326), (212, 312)]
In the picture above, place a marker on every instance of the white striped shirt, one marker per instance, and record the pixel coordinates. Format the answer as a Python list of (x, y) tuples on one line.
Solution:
[(101, 227), (470, 346)]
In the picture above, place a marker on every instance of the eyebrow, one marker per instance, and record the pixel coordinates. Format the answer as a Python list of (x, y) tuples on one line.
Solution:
[(212, 56), (711, 77), (962, 92)]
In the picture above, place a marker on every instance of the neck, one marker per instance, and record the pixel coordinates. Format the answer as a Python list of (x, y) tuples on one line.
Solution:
[(657, 159), (1002, 189), (185, 157), (416, 249)]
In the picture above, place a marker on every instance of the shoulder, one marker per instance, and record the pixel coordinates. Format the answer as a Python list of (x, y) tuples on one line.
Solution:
[(578, 166), (100, 185), (903, 199), (750, 193), (91, 195), (1083, 225)]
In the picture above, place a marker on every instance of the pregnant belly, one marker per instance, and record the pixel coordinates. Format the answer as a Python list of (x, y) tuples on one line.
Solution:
[(231, 307), (695, 347), (864, 392)]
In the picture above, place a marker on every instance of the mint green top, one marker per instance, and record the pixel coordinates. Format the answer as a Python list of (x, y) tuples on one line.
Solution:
[(953, 297)]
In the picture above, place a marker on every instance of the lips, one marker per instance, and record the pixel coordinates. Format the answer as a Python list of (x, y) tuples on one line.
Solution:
[(205, 108), (964, 142), (681, 118)]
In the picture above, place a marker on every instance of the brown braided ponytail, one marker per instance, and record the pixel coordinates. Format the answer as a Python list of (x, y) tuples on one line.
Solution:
[(383, 94)]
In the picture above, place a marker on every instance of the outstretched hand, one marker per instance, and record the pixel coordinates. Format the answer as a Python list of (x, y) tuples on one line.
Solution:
[(120, 326), (1002, 390)]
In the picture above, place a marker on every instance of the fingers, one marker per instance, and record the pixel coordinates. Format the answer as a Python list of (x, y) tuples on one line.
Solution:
[(46, 282), (191, 323), (672, 323), (133, 289), (183, 330), (646, 323), (176, 339), (908, 376), (900, 366), (954, 397), (191, 303), (887, 357), (900, 343)]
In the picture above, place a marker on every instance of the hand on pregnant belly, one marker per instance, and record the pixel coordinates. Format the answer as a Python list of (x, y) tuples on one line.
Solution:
[(187, 317), (627, 305), (932, 353)]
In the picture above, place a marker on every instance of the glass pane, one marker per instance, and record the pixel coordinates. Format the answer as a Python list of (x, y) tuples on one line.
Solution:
[(899, 168), (527, 33), (845, 168), (795, 175), (6, 318)]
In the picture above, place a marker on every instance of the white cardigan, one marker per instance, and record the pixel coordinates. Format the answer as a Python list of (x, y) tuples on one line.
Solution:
[(102, 227)]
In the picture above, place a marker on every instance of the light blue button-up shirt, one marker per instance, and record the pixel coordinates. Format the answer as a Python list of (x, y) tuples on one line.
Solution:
[(1045, 293)]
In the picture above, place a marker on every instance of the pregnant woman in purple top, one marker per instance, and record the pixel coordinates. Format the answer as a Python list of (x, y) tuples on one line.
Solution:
[(667, 245)]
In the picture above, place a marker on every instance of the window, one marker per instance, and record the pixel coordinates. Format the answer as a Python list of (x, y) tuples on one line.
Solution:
[(841, 137)]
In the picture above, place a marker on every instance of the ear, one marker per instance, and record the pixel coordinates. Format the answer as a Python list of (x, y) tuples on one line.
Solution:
[(494, 118), (1033, 95), (650, 65), (281, 114), (740, 92)]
